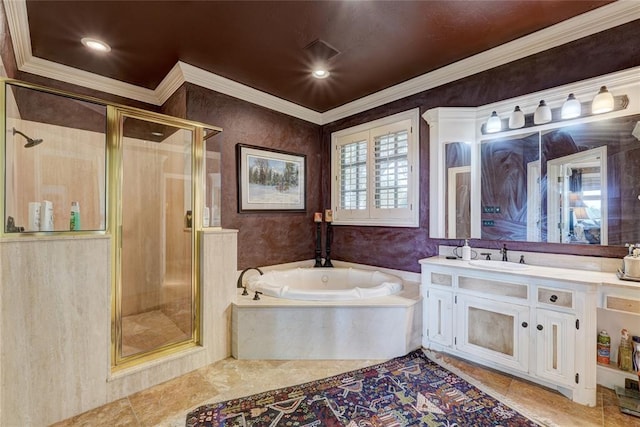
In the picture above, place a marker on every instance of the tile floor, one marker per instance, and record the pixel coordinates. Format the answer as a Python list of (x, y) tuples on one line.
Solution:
[(149, 330), (167, 404)]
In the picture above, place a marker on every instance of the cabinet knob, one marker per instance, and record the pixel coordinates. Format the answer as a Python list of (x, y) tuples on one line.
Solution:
[(525, 324), (539, 327), (553, 298)]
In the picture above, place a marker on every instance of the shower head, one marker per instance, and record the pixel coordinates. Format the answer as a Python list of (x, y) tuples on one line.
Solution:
[(30, 141)]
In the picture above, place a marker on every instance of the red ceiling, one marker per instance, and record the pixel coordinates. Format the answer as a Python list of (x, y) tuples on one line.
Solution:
[(261, 43)]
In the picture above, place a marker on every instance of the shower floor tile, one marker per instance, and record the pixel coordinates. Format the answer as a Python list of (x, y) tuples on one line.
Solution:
[(149, 330)]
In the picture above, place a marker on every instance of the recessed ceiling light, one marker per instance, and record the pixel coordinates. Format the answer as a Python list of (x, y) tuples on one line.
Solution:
[(157, 133), (95, 44), (320, 73)]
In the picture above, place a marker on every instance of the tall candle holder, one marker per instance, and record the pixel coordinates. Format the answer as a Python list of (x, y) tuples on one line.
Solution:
[(328, 216), (317, 217)]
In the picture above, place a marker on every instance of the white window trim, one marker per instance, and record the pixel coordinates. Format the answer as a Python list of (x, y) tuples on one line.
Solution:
[(409, 217)]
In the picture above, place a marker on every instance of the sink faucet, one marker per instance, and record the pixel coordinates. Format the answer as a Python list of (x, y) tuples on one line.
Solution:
[(503, 251), (240, 285)]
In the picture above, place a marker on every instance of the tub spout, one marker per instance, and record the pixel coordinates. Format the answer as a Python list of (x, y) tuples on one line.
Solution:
[(240, 285)]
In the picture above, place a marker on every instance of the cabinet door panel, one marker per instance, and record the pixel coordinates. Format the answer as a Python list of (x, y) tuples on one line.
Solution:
[(439, 317), (555, 346), (495, 331)]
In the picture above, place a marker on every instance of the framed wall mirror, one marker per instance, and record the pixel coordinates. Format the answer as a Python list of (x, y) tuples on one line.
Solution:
[(566, 181)]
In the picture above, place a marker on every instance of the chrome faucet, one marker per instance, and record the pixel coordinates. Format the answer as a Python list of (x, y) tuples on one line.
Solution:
[(503, 251), (240, 285)]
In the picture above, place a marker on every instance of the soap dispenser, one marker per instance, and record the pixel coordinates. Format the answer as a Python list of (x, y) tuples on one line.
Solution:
[(466, 251)]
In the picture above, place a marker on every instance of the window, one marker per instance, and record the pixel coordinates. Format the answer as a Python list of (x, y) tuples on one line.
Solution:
[(375, 172)]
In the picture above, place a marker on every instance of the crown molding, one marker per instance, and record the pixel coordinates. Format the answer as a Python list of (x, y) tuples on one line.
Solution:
[(603, 18), (600, 19), (19, 27), (171, 82), (229, 87)]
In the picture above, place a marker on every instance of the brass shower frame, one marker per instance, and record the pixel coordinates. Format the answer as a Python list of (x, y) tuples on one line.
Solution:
[(113, 192)]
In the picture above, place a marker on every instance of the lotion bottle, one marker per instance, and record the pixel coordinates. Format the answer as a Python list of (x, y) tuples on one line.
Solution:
[(466, 251)]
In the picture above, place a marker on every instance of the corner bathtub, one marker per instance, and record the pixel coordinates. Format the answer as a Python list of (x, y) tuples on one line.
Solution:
[(327, 313), (325, 284)]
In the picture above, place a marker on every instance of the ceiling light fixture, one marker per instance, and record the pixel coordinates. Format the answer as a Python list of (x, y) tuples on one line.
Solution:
[(95, 44), (320, 73), (603, 102), (571, 108)]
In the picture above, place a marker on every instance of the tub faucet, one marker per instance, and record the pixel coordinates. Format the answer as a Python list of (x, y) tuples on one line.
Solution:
[(503, 251), (240, 285)]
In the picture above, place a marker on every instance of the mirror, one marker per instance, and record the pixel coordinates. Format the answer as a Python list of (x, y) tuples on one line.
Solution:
[(575, 184), (510, 193), (458, 190), (590, 172)]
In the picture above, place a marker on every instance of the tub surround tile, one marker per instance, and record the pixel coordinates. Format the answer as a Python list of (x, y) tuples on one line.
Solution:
[(274, 328)]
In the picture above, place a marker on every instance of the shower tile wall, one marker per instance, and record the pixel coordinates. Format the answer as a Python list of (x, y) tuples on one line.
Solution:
[(55, 326)]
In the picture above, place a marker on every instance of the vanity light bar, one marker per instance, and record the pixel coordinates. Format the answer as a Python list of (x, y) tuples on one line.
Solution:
[(603, 102)]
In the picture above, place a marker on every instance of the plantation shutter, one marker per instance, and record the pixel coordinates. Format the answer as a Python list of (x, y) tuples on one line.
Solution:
[(391, 171), (374, 172), (353, 175)]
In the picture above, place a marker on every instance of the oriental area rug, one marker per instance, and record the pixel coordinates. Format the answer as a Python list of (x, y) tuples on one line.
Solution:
[(406, 391)]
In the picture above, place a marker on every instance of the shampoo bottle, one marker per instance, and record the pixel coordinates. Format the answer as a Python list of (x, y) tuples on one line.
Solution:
[(74, 218)]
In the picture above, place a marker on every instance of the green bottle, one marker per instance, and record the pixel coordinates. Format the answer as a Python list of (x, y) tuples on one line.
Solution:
[(74, 218)]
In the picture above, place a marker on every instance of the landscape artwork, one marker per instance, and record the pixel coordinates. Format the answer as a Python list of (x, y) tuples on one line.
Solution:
[(270, 180)]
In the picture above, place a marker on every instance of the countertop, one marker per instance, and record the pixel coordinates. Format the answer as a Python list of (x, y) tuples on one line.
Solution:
[(542, 272)]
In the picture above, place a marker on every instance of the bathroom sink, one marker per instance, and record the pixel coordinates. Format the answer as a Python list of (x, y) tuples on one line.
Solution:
[(498, 265)]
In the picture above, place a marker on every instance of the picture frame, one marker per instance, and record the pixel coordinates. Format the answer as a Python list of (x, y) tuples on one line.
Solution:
[(270, 180)]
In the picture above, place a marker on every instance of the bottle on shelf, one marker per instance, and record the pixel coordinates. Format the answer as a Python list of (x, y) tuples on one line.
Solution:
[(604, 348), (625, 351), (74, 218)]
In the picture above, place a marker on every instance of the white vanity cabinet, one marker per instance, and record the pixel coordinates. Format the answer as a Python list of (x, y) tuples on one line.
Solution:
[(534, 326), (493, 330)]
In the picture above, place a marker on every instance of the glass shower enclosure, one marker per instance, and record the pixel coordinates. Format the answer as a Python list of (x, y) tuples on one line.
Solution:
[(78, 166)]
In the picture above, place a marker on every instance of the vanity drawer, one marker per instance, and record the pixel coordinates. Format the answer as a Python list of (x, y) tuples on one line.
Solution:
[(555, 297), (626, 305), (494, 287), (441, 279)]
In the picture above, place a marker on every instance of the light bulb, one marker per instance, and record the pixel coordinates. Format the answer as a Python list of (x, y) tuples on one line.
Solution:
[(516, 119), (571, 108), (320, 73), (95, 44), (494, 124), (542, 114), (603, 102)]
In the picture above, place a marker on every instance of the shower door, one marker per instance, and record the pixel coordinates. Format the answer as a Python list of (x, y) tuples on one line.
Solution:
[(156, 291)]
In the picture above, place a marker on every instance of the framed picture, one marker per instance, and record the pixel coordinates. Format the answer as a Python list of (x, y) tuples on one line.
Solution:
[(270, 180)]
